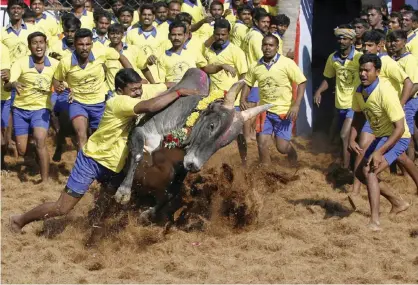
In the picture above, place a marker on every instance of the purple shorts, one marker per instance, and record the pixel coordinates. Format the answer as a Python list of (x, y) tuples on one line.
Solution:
[(411, 108), (5, 112), (93, 112), (254, 96), (392, 154), (25, 120), (344, 114), (281, 128), (366, 128), (60, 101), (85, 171)]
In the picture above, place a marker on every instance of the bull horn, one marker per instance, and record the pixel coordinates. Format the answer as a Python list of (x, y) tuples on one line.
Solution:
[(252, 112), (232, 94)]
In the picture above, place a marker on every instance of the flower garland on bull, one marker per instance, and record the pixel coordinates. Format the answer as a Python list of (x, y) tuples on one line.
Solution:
[(177, 137)]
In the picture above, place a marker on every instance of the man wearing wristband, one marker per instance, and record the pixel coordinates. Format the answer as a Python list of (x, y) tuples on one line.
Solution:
[(104, 155)]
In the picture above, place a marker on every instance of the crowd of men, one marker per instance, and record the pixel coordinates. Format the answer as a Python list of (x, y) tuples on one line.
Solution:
[(105, 68)]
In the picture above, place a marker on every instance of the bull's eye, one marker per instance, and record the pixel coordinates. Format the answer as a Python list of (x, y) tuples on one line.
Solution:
[(212, 126)]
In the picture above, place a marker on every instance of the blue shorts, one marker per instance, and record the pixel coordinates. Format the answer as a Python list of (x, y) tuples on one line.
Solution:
[(392, 154), (281, 128), (344, 114), (26, 120), (5, 112), (60, 101), (366, 128), (411, 108), (85, 171), (93, 112), (237, 108), (254, 96)]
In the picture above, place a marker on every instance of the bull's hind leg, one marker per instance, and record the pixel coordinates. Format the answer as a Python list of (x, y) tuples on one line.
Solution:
[(136, 148)]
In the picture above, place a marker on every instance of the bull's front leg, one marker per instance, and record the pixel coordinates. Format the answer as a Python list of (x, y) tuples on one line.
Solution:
[(136, 149)]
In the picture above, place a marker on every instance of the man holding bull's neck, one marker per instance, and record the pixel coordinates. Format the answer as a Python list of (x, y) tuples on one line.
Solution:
[(275, 74), (104, 155)]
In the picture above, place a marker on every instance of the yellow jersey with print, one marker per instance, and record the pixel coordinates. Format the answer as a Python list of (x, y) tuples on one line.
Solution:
[(238, 33), (231, 55), (195, 43), (393, 72), (17, 41), (37, 92), (108, 144), (409, 64), (195, 10), (87, 20), (252, 45), (4, 64), (275, 82), (113, 66), (381, 107), (49, 26), (148, 43), (280, 38), (412, 43), (87, 82), (172, 65), (61, 48), (346, 73)]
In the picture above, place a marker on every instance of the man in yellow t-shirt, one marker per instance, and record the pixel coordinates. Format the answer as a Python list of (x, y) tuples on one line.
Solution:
[(204, 29), (174, 63), (343, 65), (102, 20), (104, 155), (31, 77), (83, 71), (161, 22), (376, 101), (278, 27), (45, 22), (409, 17), (242, 25), (6, 102), (194, 8), (86, 17), (275, 75), (192, 42)]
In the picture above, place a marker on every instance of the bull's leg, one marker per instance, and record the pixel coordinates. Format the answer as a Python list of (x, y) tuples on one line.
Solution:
[(172, 192), (136, 148)]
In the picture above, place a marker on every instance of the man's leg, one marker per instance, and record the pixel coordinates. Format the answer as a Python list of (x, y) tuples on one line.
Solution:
[(283, 134), (365, 140), (263, 149), (5, 114), (40, 134), (249, 125), (61, 207), (345, 137), (80, 125), (409, 166)]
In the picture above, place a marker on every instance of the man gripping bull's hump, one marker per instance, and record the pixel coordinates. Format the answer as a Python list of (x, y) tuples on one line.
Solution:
[(103, 156)]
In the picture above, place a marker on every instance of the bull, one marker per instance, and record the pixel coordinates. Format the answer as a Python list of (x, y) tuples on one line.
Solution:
[(216, 127)]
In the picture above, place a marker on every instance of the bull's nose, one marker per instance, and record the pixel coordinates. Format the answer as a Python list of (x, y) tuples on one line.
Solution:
[(190, 166)]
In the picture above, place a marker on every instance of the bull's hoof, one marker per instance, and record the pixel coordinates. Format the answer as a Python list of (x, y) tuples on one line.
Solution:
[(123, 195), (147, 217)]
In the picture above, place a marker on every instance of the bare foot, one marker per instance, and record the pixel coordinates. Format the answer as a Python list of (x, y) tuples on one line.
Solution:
[(14, 225), (399, 208), (374, 226)]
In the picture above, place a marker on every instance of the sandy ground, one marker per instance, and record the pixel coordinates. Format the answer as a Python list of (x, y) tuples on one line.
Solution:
[(301, 229)]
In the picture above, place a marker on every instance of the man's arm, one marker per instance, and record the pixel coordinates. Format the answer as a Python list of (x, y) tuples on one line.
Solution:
[(148, 75), (407, 91), (323, 87), (199, 24), (58, 85), (294, 109), (244, 96), (358, 122), (124, 61), (160, 102), (212, 69)]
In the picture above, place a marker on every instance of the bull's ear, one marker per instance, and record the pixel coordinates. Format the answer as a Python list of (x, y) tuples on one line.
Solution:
[(232, 94), (252, 112)]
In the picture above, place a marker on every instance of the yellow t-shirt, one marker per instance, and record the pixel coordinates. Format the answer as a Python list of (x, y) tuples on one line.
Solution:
[(279, 37), (195, 10), (173, 66), (4, 64), (409, 65), (238, 33), (195, 44), (347, 77), (108, 145), (275, 82), (37, 92), (381, 107), (163, 28), (87, 83), (61, 48), (412, 44), (49, 26), (17, 42), (252, 45), (87, 20), (113, 66), (205, 31), (232, 56), (152, 90), (393, 72)]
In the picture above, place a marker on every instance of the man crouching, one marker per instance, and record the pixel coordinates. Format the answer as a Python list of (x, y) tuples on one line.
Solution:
[(104, 155)]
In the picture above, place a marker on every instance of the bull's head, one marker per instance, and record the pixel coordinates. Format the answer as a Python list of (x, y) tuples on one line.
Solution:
[(217, 127)]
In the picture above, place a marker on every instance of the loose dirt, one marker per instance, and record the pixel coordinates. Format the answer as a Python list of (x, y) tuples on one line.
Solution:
[(273, 224)]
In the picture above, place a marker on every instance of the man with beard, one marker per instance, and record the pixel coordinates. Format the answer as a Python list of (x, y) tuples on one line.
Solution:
[(231, 66), (83, 71), (148, 39), (242, 25), (174, 8), (409, 18), (360, 26), (174, 63), (86, 17), (44, 22), (343, 65), (31, 77), (161, 14), (275, 75), (204, 28), (102, 21)]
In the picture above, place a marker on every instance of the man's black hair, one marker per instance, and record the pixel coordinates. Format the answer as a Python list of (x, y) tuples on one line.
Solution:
[(83, 33), (361, 21), (147, 6), (116, 28), (373, 58), (282, 20), (398, 34), (177, 24), (126, 76), (184, 17), (372, 36), (222, 24), (125, 9), (34, 35)]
